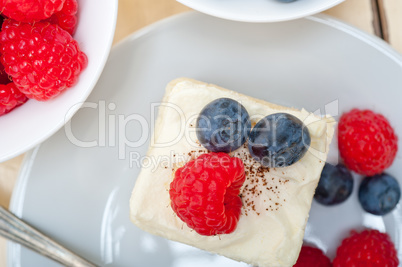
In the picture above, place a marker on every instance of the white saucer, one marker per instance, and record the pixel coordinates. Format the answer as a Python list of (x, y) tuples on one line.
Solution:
[(260, 10), (80, 196)]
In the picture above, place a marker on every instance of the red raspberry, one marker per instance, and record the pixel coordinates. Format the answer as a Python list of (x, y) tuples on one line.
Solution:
[(369, 248), (4, 78), (30, 10), (367, 142), (10, 98), (312, 257), (42, 59), (205, 193), (66, 18)]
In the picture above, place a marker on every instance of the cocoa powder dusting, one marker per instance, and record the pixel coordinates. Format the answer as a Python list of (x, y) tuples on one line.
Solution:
[(258, 190)]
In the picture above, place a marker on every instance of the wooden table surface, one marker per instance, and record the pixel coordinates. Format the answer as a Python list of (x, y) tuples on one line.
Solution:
[(379, 17)]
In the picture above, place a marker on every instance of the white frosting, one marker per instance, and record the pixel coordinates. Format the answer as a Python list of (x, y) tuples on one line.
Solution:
[(276, 203)]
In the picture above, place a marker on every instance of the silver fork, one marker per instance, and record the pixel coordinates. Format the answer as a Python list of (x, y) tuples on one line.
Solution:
[(20, 232)]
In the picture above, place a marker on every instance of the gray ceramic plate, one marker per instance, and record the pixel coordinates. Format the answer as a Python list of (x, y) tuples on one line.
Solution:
[(79, 195)]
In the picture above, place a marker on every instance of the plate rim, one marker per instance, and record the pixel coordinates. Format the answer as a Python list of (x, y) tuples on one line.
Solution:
[(17, 199)]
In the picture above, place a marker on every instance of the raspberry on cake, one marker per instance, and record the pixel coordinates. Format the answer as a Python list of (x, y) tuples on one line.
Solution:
[(206, 209), (275, 200)]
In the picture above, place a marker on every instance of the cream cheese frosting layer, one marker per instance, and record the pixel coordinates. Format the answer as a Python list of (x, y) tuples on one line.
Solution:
[(276, 201)]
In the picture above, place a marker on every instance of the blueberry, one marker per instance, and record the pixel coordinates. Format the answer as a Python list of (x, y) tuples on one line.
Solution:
[(379, 194), (335, 185), (223, 125), (279, 140)]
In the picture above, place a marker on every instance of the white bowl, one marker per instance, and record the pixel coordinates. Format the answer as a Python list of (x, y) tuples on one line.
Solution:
[(260, 10), (33, 122)]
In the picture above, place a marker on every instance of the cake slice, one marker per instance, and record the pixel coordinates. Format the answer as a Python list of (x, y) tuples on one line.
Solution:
[(276, 201)]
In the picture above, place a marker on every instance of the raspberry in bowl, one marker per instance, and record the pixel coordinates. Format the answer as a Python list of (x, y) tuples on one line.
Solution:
[(56, 92)]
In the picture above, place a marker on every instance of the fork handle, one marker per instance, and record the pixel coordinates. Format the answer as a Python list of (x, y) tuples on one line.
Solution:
[(20, 232)]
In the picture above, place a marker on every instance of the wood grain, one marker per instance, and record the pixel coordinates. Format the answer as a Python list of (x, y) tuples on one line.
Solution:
[(8, 173), (135, 14), (392, 18), (383, 20), (358, 13)]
